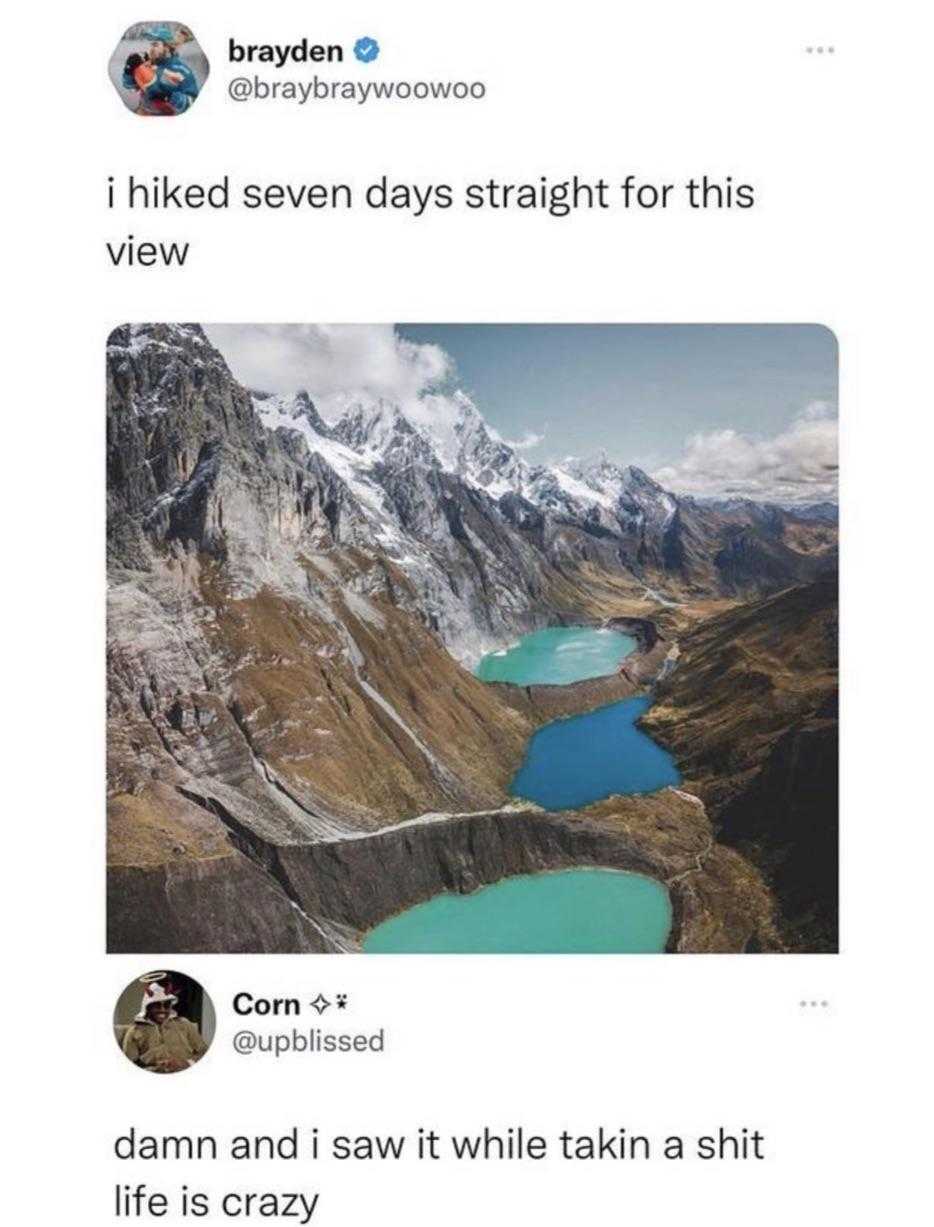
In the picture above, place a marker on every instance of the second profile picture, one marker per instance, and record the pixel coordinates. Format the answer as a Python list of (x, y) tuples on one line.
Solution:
[(158, 68), (164, 1022)]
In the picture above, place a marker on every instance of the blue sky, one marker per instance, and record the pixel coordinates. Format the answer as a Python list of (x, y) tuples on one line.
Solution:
[(637, 391), (710, 410)]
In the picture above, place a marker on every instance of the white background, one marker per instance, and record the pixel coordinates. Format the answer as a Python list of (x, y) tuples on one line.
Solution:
[(840, 235)]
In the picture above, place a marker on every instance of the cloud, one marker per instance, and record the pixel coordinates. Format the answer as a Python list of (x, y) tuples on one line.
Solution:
[(335, 363), (529, 440), (340, 365), (343, 365), (799, 465), (818, 411)]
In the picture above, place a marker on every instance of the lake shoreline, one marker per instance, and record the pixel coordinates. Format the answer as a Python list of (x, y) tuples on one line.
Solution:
[(587, 910), (558, 656), (576, 761), (576, 660)]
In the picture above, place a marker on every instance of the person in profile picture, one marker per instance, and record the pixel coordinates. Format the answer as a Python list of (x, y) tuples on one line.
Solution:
[(159, 1039), (164, 82)]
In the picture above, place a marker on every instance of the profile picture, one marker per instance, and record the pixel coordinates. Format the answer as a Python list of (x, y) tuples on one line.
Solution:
[(164, 1022), (158, 68)]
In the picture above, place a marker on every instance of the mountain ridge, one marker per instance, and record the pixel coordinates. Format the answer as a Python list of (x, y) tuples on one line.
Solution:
[(293, 602)]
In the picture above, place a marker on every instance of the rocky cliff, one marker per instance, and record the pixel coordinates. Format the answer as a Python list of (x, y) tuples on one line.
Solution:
[(751, 715)]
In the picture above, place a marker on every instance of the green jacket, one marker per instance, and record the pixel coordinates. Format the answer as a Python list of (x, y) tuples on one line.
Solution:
[(149, 1045)]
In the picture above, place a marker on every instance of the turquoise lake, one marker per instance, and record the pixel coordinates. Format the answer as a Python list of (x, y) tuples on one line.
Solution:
[(557, 656), (574, 911), (574, 762), (568, 764)]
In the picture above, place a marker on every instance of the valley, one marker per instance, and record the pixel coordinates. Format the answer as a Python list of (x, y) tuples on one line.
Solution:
[(307, 739)]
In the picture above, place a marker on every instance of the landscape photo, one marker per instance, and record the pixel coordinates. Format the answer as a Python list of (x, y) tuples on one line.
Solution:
[(472, 638)]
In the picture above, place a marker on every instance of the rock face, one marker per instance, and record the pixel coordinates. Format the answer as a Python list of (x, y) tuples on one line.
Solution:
[(175, 881), (291, 606), (339, 888), (751, 715)]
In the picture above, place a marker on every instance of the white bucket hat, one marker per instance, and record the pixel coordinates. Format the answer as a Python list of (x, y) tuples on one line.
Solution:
[(154, 991)]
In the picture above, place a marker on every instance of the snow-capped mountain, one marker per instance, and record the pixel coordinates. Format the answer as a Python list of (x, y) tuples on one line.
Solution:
[(370, 434), (296, 410), (381, 433), (457, 440), (434, 487), (478, 532)]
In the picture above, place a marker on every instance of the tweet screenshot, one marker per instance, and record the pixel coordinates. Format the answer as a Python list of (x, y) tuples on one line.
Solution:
[(467, 728)]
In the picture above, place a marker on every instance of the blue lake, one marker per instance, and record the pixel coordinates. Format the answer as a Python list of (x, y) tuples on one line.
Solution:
[(558, 655), (569, 764), (574, 911), (574, 762)]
